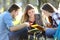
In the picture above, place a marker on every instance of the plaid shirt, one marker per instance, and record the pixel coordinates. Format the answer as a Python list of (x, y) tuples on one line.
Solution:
[(56, 19)]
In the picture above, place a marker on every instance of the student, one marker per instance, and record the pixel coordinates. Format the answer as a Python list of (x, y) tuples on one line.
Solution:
[(30, 16), (6, 24), (48, 10)]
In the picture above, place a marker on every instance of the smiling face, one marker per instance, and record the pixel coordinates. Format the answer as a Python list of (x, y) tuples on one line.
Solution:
[(31, 12)]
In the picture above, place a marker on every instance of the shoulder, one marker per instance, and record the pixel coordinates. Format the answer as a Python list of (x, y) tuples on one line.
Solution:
[(6, 15), (55, 15), (37, 15), (38, 19)]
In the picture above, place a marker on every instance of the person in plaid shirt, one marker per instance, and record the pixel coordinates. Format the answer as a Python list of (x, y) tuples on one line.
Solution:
[(48, 10), (56, 19)]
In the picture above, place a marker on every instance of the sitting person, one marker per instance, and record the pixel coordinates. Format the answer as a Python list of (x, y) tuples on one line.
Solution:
[(48, 10), (30, 16), (6, 23), (57, 34)]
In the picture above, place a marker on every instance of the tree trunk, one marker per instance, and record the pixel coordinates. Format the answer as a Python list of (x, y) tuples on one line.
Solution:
[(38, 7)]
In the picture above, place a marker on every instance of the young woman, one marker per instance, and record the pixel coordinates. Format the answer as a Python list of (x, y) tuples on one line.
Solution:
[(30, 16), (48, 10)]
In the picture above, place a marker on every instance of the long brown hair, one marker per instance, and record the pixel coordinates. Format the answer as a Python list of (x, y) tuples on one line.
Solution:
[(51, 21), (25, 16)]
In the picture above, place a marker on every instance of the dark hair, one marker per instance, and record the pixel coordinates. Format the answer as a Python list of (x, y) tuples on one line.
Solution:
[(13, 7), (48, 8), (50, 20)]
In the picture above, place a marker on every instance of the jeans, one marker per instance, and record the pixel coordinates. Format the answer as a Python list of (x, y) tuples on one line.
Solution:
[(50, 32), (19, 35)]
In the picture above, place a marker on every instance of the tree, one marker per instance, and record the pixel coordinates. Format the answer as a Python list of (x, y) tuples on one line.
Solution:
[(38, 7)]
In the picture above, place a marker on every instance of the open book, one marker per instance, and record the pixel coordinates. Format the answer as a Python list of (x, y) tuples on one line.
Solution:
[(38, 27)]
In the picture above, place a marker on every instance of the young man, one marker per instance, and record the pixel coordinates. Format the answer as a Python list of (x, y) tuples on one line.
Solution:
[(6, 24)]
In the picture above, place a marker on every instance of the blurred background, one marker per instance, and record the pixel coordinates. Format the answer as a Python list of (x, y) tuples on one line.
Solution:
[(5, 4)]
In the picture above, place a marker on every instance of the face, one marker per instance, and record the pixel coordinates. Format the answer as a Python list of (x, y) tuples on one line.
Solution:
[(15, 13), (46, 13), (31, 12)]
